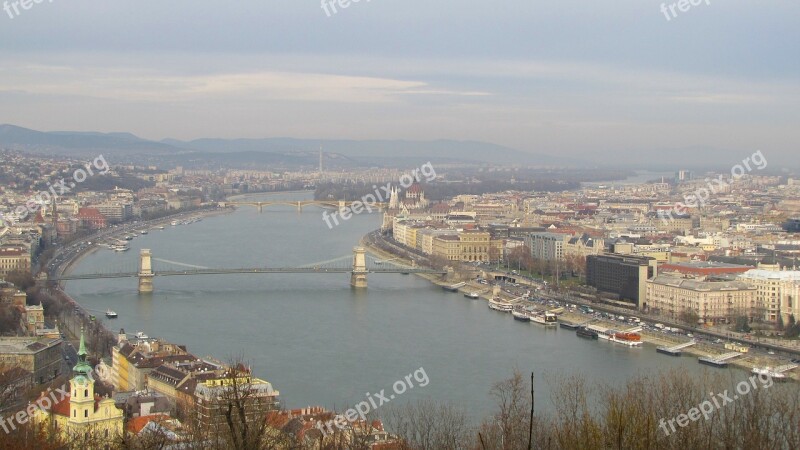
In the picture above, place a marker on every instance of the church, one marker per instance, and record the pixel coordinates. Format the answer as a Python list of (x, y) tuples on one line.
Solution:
[(82, 415)]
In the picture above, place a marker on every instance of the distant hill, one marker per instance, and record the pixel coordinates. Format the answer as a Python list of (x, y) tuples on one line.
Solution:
[(380, 150), (72, 142), (279, 151)]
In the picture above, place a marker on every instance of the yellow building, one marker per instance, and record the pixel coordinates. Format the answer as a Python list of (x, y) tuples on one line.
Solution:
[(82, 416), (713, 301), (467, 246), (14, 259), (447, 247)]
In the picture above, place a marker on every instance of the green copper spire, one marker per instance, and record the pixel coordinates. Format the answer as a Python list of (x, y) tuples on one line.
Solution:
[(82, 368)]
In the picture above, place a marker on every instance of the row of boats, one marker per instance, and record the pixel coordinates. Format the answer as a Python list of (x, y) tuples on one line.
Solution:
[(524, 315)]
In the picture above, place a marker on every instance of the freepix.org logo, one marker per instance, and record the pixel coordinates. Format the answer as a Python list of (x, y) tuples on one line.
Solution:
[(14, 8), (382, 193), (55, 190), (48, 399)]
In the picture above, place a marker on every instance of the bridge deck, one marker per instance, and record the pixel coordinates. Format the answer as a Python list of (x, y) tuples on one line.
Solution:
[(261, 270)]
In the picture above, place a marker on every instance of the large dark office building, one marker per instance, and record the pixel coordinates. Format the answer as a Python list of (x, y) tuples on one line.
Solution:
[(792, 225), (624, 275)]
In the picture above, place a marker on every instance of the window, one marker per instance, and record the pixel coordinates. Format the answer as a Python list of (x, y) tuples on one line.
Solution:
[(85, 413)]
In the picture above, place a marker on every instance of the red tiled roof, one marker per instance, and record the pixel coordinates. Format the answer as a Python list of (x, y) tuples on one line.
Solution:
[(136, 424)]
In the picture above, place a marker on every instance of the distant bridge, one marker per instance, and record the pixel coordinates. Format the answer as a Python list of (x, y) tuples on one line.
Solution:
[(358, 270), (300, 204)]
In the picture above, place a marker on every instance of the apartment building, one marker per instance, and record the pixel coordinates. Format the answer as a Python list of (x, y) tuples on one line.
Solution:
[(714, 302)]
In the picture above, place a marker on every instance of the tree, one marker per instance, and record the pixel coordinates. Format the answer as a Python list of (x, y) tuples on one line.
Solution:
[(742, 325), (507, 429), (21, 279), (235, 417), (689, 316), (429, 425)]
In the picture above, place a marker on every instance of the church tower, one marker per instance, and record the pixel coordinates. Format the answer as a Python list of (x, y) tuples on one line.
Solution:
[(394, 200), (82, 399)]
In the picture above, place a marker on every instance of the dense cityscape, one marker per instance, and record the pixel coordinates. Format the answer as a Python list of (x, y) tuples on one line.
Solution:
[(378, 225), (714, 277)]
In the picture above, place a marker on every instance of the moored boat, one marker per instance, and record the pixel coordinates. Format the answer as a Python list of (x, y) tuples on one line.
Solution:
[(522, 316), (587, 333), (547, 319), (768, 372), (626, 338), (472, 295), (500, 306)]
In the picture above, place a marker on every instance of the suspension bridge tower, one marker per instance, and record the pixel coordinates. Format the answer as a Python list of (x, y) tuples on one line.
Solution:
[(358, 279), (145, 272)]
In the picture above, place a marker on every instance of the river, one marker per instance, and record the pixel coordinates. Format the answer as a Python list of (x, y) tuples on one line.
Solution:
[(318, 341)]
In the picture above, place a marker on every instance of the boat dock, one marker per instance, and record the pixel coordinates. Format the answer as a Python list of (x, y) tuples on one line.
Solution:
[(718, 361), (454, 287), (574, 326), (675, 350), (785, 368)]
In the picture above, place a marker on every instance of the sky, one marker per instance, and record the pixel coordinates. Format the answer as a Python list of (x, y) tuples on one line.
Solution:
[(567, 77)]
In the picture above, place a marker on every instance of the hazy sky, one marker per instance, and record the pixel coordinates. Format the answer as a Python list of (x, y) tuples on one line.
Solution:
[(561, 77)]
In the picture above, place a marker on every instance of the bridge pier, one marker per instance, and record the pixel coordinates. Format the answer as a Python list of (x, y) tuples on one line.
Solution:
[(145, 271), (260, 207), (358, 278)]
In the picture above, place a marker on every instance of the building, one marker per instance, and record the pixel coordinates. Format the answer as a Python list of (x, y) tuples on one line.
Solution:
[(546, 246), (584, 245), (475, 246), (91, 218), (211, 396), (82, 415), (115, 211), (447, 246), (133, 361), (34, 318), (41, 357), (10, 295), (14, 259), (702, 269), (623, 275), (714, 302), (778, 293), (468, 246)]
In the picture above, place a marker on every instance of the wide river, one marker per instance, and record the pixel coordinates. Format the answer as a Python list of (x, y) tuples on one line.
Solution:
[(318, 341)]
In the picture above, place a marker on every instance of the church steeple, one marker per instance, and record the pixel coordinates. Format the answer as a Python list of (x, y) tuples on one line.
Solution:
[(82, 367)]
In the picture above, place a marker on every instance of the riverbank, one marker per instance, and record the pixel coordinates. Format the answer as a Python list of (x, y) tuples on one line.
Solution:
[(748, 361), (69, 258)]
